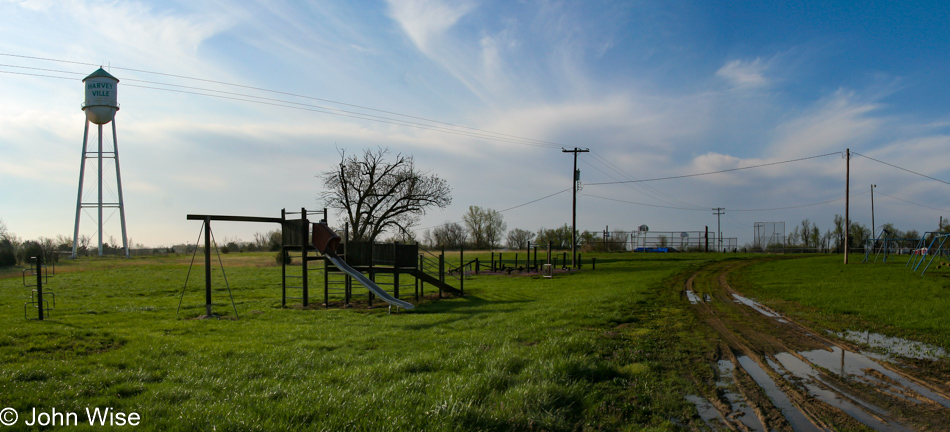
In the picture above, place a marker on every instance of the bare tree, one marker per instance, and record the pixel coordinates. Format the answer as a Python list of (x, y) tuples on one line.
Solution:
[(450, 235), (3, 230), (485, 226), (475, 221), (805, 232), (260, 241), (519, 238), (377, 194)]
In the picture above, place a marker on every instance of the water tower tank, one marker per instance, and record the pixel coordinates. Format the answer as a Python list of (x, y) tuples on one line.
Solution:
[(101, 101)]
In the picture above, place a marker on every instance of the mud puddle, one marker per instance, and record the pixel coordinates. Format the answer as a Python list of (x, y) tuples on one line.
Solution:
[(759, 308), (791, 367), (797, 379), (894, 346), (693, 298), (741, 411)]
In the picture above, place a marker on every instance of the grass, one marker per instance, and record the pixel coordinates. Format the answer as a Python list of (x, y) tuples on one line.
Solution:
[(596, 350), (884, 298), (611, 349)]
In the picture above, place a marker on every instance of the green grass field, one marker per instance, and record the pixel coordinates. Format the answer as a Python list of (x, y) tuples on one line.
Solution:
[(598, 350), (516, 353), (885, 298)]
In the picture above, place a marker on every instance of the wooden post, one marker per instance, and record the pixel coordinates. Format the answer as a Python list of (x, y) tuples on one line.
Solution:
[(847, 199), (283, 265), (372, 273), (303, 256), (462, 270), (421, 285)]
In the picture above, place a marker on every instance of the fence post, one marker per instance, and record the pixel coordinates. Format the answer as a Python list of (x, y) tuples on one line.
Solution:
[(39, 285), (462, 270)]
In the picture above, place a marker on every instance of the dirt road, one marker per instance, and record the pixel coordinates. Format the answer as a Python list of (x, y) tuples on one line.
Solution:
[(773, 373)]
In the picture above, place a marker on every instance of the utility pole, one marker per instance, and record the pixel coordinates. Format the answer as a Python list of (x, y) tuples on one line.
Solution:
[(847, 198), (577, 177), (719, 212), (873, 229)]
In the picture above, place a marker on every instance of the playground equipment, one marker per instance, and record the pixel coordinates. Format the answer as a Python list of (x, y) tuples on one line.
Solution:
[(885, 246), (37, 300), (304, 243), (933, 249)]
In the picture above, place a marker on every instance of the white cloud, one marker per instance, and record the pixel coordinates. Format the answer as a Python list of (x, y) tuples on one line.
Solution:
[(744, 74), (427, 20), (832, 125)]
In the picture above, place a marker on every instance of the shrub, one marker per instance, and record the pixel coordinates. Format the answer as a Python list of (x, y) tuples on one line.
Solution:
[(283, 258), (7, 253)]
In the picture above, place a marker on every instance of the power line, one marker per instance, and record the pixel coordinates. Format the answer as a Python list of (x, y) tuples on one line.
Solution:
[(502, 211), (297, 106), (717, 172), (484, 134), (900, 168), (534, 201), (731, 210), (643, 204), (911, 202)]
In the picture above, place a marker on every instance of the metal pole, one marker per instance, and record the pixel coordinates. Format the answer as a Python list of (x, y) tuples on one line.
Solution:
[(873, 229), (100, 190), (118, 183), (39, 285), (82, 170), (208, 266), (847, 192), (283, 264)]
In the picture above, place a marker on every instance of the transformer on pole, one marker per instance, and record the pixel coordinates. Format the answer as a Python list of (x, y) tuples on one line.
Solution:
[(100, 106)]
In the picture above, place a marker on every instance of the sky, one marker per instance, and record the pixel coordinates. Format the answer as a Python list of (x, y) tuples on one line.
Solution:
[(652, 89)]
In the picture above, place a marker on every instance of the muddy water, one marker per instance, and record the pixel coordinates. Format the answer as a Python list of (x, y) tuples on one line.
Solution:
[(790, 366), (707, 411), (894, 346), (846, 363), (759, 307), (741, 410), (792, 414), (693, 298), (829, 386)]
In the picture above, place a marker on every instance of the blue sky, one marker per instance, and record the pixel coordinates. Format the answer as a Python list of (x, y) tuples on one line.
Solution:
[(654, 89)]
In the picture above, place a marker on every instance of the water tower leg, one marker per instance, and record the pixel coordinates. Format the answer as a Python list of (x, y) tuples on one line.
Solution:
[(100, 189), (82, 170), (118, 183)]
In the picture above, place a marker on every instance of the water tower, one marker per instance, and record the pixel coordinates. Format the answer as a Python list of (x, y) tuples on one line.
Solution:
[(100, 107)]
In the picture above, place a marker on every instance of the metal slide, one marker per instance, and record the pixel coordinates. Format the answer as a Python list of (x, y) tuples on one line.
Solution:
[(342, 265)]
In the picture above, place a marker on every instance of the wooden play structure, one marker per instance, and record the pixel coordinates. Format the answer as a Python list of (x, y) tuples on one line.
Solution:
[(314, 250)]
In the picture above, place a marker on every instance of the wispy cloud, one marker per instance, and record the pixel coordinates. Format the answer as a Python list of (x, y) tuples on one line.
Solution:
[(744, 74), (427, 20)]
